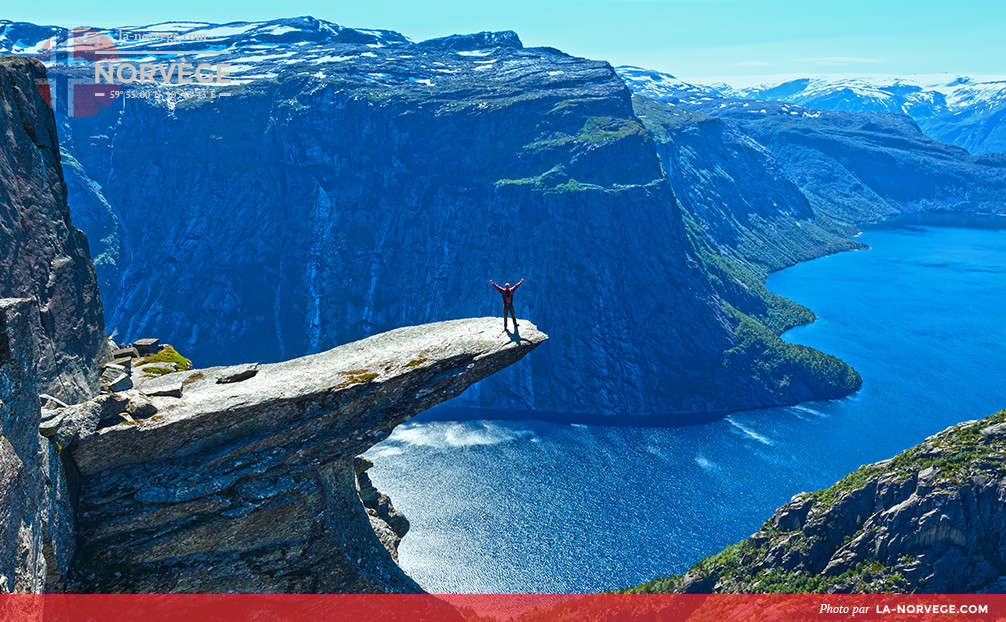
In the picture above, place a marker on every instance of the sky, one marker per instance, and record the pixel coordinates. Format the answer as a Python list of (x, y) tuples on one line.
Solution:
[(698, 40)]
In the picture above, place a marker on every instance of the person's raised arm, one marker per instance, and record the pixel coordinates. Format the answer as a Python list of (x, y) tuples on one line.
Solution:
[(518, 284), (498, 288)]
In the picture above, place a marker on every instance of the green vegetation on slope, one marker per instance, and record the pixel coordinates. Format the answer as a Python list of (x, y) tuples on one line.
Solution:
[(761, 316), (744, 289), (772, 360), (950, 461), (167, 355), (737, 193)]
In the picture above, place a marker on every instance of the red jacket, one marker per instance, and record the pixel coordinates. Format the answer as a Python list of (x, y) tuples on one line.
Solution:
[(507, 292)]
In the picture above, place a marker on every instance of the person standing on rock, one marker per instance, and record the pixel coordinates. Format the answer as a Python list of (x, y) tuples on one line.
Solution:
[(507, 292)]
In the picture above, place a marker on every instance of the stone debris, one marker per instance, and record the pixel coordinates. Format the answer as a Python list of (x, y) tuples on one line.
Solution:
[(115, 377), (130, 353), (146, 347), (243, 372)]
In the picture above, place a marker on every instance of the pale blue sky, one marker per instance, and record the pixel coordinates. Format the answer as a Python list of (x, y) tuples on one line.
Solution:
[(694, 39)]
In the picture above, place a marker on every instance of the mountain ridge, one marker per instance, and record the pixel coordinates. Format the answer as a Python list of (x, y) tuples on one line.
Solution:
[(954, 108)]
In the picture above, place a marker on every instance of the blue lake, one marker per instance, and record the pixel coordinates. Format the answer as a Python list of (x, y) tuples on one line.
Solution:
[(528, 506)]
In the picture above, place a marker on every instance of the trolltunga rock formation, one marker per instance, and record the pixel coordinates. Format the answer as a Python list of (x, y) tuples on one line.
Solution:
[(244, 478)]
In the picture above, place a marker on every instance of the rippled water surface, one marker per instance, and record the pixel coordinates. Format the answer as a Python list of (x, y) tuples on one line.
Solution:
[(528, 506)]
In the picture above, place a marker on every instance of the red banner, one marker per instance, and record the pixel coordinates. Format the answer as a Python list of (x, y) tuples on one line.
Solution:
[(490, 608)]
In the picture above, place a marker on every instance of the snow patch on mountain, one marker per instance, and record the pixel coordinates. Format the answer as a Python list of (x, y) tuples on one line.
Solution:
[(968, 111)]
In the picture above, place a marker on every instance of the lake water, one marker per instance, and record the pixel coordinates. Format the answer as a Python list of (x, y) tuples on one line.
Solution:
[(528, 506)]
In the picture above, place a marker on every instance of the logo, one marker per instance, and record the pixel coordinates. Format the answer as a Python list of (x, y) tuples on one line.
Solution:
[(98, 64)]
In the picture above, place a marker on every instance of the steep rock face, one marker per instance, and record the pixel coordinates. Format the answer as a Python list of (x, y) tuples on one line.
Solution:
[(36, 518), (242, 479), (22, 567), (742, 199), (930, 520), (42, 255), (746, 216), (388, 523), (862, 167), (51, 333)]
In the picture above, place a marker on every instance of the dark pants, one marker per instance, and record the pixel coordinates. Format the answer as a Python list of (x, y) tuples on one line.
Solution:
[(508, 308)]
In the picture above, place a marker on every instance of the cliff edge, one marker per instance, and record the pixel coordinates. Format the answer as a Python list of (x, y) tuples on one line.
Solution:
[(244, 478), (52, 333), (43, 257), (930, 520)]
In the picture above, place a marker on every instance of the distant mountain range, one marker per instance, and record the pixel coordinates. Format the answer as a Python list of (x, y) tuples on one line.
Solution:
[(964, 111)]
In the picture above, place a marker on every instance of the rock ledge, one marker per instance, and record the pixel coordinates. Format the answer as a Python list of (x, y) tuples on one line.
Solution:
[(242, 478)]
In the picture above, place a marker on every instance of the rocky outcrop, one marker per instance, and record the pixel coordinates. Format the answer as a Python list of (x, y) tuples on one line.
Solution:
[(42, 255), (244, 478), (389, 524), (930, 520), (36, 516)]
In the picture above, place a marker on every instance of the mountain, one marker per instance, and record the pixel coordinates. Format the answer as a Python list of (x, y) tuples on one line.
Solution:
[(665, 87), (740, 196), (224, 479), (59, 44), (965, 111), (930, 520), (861, 167), (351, 181), (341, 188), (852, 167)]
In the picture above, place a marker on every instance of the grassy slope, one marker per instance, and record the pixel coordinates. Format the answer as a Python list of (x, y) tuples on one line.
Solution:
[(736, 248), (957, 455)]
